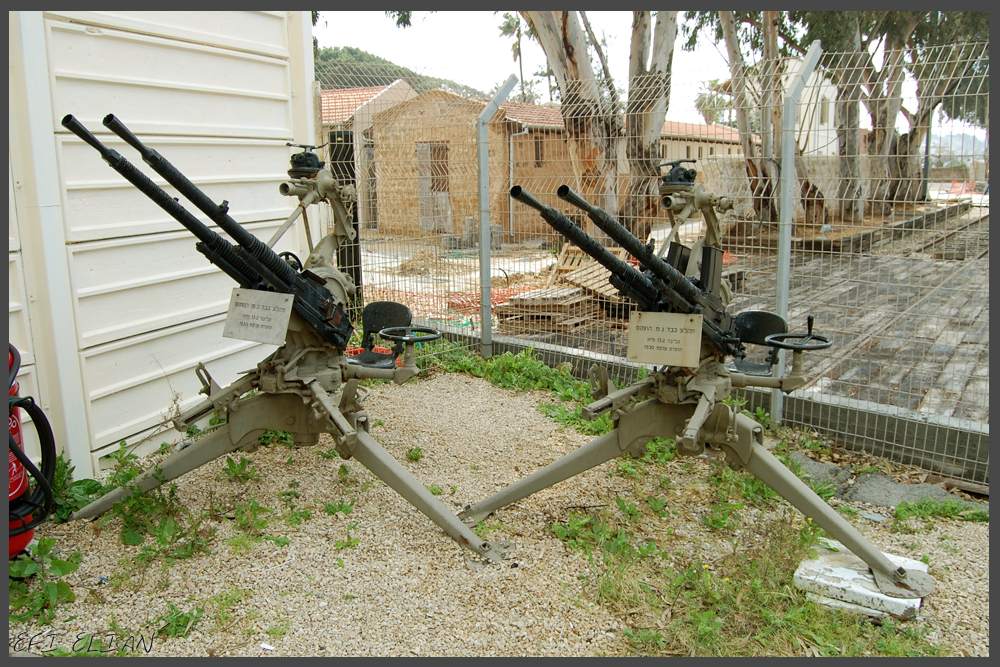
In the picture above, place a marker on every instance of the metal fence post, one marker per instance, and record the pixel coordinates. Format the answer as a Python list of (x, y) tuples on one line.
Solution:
[(785, 205), (482, 137)]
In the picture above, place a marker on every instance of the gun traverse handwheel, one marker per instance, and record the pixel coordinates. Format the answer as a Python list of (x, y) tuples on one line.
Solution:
[(406, 334), (798, 342)]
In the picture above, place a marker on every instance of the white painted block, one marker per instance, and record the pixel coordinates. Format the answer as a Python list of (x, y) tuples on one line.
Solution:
[(841, 575)]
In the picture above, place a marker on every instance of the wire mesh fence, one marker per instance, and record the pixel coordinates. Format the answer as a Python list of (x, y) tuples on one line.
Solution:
[(890, 223)]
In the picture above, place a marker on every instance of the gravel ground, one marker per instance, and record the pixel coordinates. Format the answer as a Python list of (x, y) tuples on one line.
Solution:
[(407, 589)]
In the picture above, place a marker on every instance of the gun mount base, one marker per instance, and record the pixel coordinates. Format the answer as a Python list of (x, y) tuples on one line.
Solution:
[(305, 409), (740, 438)]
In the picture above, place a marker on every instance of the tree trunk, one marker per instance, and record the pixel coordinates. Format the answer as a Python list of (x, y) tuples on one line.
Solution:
[(850, 192), (938, 73), (760, 188), (884, 103), (771, 103), (648, 99), (594, 129)]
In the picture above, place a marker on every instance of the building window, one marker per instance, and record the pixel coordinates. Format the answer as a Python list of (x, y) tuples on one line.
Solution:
[(824, 112), (688, 151), (439, 168), (539, 150), (700, 150), (711, 150), (432, 165), (730, 151)]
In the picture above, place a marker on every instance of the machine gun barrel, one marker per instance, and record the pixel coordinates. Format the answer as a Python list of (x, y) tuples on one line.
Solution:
[(629, 280), (253, 264), (677, 289), (219, 214), (672, 278), (218, 250)]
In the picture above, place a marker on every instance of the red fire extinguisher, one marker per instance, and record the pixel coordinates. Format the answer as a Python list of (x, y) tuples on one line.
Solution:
[(28, 507)]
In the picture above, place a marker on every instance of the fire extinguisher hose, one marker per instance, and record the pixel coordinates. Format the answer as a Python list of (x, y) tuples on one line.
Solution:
[(39, 503)]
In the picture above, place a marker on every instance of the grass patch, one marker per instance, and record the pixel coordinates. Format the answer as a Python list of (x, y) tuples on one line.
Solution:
[(928, 509), (524, 371), (742, 604)]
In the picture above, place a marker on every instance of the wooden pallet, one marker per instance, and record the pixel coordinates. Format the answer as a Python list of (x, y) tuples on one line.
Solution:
[(570, 259), (593, 278), (519, 325), (554, 309)]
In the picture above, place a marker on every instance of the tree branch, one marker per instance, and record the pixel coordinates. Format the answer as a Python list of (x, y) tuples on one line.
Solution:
[(608, 81), (788, 39)]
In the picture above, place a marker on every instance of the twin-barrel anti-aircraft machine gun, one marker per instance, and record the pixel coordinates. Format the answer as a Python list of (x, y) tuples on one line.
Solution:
[(308, 386), (683, 327)]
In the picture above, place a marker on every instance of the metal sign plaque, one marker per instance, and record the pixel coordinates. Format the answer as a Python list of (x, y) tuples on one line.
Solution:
[(664, 339), (258, 316)]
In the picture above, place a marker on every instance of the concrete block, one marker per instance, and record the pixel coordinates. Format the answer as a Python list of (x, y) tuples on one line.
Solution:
[(842, 576), (846, 606)]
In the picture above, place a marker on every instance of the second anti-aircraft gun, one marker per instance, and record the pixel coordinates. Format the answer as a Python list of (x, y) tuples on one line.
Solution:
[(308, 386), (682, 303)]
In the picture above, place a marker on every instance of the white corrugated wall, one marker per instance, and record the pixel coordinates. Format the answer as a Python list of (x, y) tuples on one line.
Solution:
[(110, 304)]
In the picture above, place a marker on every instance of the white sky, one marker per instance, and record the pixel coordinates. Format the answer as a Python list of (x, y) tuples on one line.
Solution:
[(466, 47)]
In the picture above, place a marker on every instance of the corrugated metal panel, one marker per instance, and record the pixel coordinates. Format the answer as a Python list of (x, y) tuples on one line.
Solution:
[(131, 286), (101, 204), (166, 86), (212, 92), (160, 367), (257, 32)]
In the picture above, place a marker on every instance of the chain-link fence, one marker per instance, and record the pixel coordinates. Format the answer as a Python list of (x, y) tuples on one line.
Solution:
[(890, 223)]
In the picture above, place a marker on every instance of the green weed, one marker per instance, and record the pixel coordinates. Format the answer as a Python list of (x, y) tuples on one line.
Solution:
[(270, 437), (38, 596), (414, 454), (244, 471), (659, 451), (659, 506), (177, 623), (349, 541), (69, 495), (342, 506), (251, 517), (630, 511), (223, 604), (723, 515)]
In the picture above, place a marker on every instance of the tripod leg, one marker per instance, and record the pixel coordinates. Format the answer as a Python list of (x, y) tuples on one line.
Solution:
[(207, 449), (243, 426), (892, 581), (592, 454), (383, 465), (635, 428)]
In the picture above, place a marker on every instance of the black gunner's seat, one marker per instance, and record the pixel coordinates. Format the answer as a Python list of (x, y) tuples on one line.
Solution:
[(753, 327), (376, 316)]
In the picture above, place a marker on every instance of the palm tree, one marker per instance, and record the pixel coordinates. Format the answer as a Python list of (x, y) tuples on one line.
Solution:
[(710, 103), (511, 27)]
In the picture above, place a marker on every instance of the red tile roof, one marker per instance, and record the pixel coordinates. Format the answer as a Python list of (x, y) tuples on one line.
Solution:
[(534, 114), (725, 133), (339, 104), (550, 115)]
